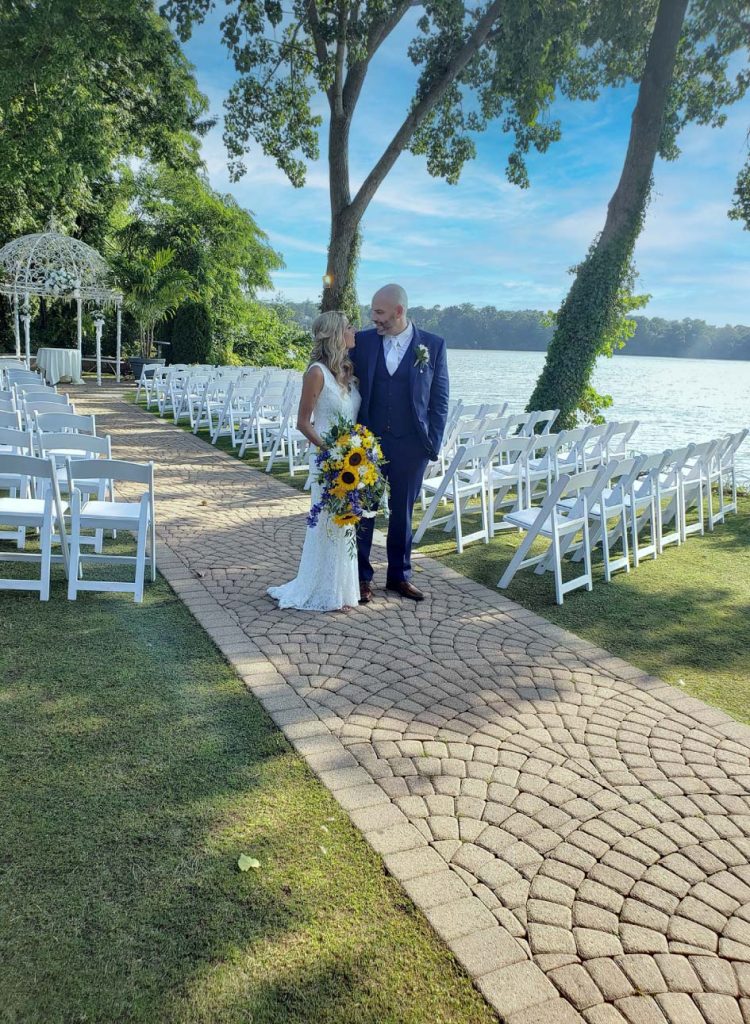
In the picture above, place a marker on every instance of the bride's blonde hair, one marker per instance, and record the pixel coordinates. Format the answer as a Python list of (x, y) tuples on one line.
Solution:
[(329, 345)]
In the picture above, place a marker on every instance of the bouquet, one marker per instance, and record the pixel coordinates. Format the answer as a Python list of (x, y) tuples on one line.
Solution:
[(351, 477)]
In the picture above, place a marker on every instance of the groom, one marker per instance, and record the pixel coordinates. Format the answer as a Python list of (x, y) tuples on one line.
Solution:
[(403, 381)]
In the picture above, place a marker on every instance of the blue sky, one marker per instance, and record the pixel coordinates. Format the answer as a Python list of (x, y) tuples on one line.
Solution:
[(485, 241)]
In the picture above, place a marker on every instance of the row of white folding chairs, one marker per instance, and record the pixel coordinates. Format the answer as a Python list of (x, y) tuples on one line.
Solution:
[(59, 444), (44, 423), (525, 463), (624, 497), (10, 375), (9, 364), (226, 401), (34, 502), (28, 403), (193, 390), (267, 414), (188, 388), (220, 401), (581, 448), (657, 492), (270, 426)]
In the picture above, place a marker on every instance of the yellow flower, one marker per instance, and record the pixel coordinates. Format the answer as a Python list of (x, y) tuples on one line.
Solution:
[(354, 459), (347, 479), (346, 519), (338, 491)]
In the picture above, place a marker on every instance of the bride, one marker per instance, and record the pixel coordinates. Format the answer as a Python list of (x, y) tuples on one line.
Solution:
[(327, 579)]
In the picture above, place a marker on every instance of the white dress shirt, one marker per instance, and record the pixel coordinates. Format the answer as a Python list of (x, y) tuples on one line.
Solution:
[(395, 347)]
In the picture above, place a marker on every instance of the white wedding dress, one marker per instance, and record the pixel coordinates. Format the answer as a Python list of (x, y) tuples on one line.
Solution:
[(328, 578)]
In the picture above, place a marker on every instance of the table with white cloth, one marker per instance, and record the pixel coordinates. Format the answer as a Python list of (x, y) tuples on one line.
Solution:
[(60, 364)]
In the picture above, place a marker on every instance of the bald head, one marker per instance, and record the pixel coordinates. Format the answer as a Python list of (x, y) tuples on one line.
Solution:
[(389, 308)]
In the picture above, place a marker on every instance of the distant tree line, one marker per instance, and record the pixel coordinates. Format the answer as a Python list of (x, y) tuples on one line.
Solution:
[(525, 330)]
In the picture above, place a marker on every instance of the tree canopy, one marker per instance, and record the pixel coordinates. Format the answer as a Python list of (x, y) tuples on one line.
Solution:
[(84, 83), (86, 86)]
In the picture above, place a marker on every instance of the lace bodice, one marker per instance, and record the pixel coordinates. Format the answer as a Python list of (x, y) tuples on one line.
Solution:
[(333, 401)]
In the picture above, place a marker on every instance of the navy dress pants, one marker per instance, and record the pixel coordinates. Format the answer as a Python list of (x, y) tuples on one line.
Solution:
[(406, 464)]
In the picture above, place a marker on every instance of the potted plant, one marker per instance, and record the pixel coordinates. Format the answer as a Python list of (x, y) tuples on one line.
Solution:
[(154, 290)]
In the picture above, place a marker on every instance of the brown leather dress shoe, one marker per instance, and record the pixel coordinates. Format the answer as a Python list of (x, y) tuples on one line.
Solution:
[(365, 592), (406, 589)]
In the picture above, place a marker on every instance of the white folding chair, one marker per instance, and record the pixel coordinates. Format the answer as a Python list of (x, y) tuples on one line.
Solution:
[(540, 422), (495, 426), (617, 443), (611, 514), (144, 381), (10, 419), (137, 517), (520, 423), (560, 524), (14, 441), (7, 401), (507, 475), (287, 440), (47, 402), (25, 388), (64, 446), (26, 511), (722, 473), (594, 447), (669, 498), (65, 422), (465, 479), (268, 411), (568, 452), (540, 464), (239, 412), (494, 408), (695, 477), (152, 385), (171, 392)]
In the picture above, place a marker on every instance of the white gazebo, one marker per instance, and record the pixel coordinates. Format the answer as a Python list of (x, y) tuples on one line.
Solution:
[(56, 266)]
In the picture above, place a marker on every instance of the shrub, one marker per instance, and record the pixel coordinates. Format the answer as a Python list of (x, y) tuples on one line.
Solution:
[(191, 334)]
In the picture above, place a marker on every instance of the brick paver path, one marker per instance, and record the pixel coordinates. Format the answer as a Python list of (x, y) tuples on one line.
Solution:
[(577, 831)]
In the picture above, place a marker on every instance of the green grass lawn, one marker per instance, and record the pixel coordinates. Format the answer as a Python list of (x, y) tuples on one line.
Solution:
[(683, 616), (134, 770)]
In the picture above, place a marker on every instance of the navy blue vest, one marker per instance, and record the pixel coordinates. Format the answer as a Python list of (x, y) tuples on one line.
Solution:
[(391, 400)]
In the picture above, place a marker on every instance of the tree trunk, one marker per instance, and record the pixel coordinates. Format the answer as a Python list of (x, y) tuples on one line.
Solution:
[(589, 310), (339, 286), (339, 290)]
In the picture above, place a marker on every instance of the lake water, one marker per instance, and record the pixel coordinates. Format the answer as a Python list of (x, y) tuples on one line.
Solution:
[(675, 400)]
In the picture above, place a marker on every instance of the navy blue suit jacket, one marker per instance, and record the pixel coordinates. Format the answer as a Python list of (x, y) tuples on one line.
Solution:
[(429, 386)]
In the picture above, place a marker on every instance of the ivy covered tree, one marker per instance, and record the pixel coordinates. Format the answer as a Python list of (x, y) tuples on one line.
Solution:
[(685, 78), (490, 61)]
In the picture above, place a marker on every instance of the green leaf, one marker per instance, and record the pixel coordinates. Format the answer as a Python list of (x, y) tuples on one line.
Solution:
[(244, 863)]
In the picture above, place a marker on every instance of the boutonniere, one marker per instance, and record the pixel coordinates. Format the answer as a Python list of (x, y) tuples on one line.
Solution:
[(423, 358)]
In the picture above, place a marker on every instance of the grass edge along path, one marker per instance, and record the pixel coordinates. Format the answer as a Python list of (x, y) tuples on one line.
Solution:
[(682, 617), (136, 769)]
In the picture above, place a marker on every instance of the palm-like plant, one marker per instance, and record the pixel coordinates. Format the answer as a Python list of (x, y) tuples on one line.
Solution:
[(156, 287)]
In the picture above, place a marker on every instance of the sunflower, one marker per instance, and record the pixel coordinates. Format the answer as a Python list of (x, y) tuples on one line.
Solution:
[(354, 459), (347, 479), (338, 491), (346, 519)]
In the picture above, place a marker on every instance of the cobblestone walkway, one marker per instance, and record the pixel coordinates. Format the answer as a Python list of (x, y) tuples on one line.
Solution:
[(577, 831)]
